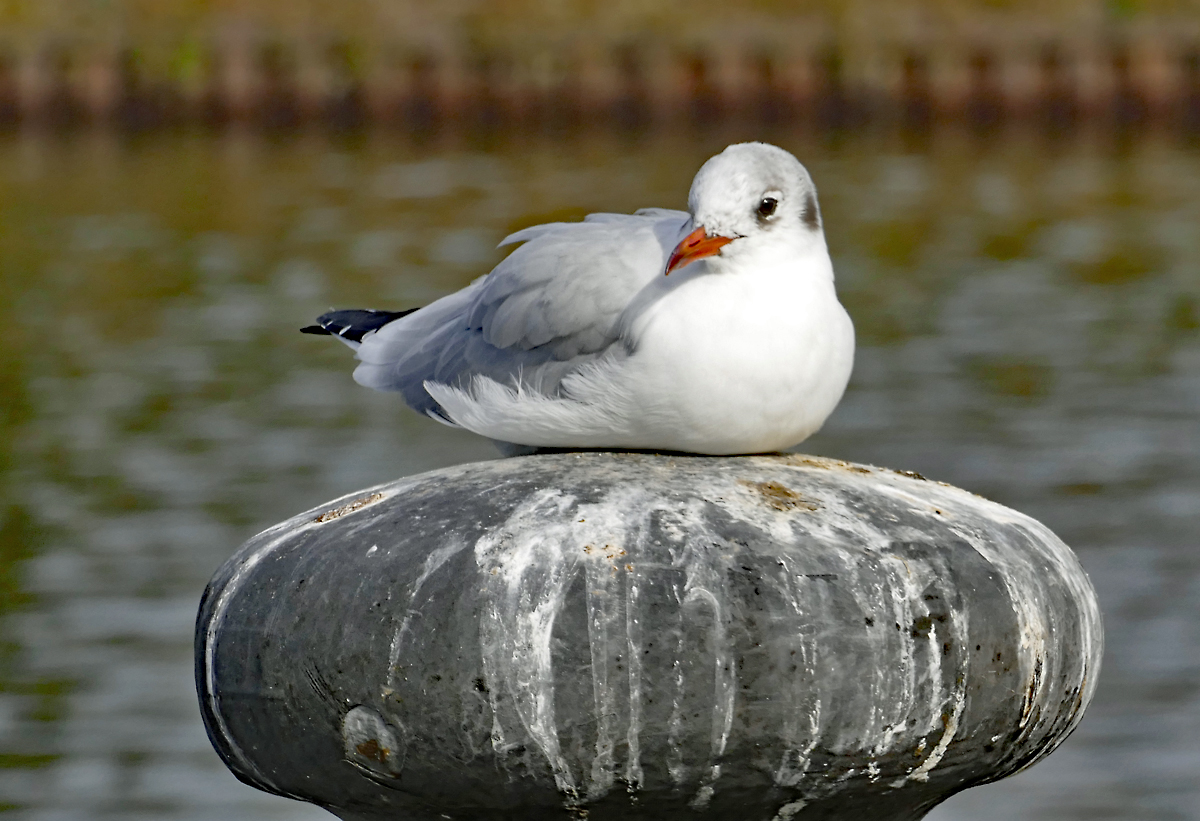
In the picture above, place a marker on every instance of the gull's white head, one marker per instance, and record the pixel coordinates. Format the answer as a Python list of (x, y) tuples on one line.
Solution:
[(748, 196)]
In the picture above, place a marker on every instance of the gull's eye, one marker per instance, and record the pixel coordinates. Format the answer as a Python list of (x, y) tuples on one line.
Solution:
[(766, 207)]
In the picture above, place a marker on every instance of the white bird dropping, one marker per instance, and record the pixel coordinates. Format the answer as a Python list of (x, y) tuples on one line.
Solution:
[(713, 331)]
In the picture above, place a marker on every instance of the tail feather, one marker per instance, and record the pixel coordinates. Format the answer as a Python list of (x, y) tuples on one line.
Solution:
[(353, 325)]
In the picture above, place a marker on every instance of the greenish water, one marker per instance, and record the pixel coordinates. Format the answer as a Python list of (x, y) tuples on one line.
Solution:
[(1028, 316)]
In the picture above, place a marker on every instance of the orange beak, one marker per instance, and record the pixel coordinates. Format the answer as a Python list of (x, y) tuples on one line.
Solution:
[(694, 246)]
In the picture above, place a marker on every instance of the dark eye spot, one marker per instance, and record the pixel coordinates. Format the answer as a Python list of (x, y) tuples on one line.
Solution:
[(766, 207), (810, 215)]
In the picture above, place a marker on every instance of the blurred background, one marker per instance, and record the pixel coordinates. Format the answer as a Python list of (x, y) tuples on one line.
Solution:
[(1011, 193)]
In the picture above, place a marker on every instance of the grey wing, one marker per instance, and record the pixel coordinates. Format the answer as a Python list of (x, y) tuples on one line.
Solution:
[(549, 307)]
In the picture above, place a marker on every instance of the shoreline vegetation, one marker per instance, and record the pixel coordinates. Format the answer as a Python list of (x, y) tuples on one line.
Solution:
[(575, 65)]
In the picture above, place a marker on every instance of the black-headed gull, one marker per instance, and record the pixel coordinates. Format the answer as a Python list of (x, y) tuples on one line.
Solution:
[(712, 331)]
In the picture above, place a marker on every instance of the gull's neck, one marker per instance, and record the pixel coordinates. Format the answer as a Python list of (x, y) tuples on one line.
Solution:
[(799, 253)]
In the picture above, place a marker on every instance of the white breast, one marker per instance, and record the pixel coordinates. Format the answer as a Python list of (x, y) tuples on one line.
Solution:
[(737, 363)]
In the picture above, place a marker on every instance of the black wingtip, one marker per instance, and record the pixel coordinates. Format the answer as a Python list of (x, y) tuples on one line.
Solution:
[(353, 325)]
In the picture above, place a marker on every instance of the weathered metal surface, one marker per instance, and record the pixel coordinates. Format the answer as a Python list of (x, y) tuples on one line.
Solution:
[(637, 636)]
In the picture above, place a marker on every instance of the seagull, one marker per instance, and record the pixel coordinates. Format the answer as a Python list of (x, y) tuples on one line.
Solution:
[(716, 330)]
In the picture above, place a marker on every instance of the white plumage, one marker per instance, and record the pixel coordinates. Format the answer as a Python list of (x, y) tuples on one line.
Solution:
[(715, 330)]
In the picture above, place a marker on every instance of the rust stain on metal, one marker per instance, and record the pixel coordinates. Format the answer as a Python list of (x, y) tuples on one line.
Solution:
[(349, 507), (373, 750), (609, 551), (827, 464), (781, 497)]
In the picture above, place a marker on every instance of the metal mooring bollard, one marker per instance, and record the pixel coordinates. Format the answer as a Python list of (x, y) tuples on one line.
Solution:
[(629, 636)]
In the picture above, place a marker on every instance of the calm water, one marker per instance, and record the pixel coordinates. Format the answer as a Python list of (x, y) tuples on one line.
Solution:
[(1029, 323)]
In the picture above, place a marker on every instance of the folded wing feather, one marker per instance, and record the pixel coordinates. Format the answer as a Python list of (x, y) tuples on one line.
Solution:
[(550, 307)]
